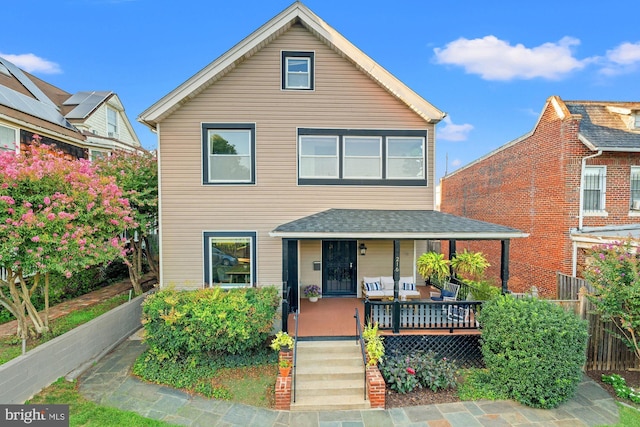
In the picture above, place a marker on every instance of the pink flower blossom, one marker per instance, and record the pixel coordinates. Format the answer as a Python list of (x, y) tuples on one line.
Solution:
[(35, 239)]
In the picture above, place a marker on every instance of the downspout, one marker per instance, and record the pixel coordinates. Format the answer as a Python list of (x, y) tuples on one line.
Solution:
[(574, 255)]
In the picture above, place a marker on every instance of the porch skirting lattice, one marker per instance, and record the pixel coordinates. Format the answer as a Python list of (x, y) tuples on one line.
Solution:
[(463, 349)]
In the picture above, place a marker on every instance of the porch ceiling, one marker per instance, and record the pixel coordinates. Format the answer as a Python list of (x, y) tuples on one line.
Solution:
[(392, 224)]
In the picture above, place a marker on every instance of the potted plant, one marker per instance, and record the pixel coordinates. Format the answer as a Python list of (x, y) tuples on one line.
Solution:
[(471, 265), (284, 366), (282, 342), (312, 292), (433, 267), (373, 344)]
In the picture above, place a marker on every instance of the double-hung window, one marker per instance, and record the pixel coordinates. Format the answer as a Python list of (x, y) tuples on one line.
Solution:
[(229, 258), (634, 199), (362, 157), (8, 138), (228, 153), (112, 123), (594, 185), (297, 70)]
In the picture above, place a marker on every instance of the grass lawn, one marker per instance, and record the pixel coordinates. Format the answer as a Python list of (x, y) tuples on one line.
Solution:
[(629, 417), (83, 412), (11, 347)]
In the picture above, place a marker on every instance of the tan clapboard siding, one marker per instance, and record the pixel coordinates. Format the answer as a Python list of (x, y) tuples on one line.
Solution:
[(343, 98)]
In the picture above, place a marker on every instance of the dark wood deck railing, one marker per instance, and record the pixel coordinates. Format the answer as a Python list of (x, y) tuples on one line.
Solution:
[(417, 315)]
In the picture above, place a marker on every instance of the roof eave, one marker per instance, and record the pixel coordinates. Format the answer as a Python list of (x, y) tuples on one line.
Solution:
[(281, 22), (400, 236)]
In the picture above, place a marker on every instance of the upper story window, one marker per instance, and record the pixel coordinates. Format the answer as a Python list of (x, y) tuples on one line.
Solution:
[(362, 157), (636, 120), (8, 138), (112, 123), (634, 199), (594, 188), (297, 70), (228, 153)]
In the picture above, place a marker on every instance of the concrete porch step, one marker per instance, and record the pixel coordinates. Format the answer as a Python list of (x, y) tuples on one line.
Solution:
[(329, 376), (330, 403)]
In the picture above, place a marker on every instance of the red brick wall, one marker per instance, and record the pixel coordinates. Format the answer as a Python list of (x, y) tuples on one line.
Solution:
[(376, 388), (533, 185)]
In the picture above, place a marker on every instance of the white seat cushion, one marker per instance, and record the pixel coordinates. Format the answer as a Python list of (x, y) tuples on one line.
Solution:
[(387, 282)]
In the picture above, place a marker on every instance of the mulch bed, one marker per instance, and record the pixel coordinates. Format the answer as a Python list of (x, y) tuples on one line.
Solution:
[(428, 397)]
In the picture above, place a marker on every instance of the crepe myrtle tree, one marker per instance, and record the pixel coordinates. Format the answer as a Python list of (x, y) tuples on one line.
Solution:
[(613, 269), (56, 215), (136, 173)]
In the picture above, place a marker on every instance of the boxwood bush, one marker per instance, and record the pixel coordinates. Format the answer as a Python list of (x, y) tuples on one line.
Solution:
[(189, 325), (534, 350)]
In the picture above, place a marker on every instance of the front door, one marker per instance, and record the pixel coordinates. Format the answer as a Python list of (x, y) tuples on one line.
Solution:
[(339, 273)]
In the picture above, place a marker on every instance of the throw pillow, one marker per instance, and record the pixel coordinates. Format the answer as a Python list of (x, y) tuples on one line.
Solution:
[(374, 286), (446, 293), (409, 286)]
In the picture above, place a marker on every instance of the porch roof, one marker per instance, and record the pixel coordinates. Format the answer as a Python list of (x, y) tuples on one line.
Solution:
[(392, 224)]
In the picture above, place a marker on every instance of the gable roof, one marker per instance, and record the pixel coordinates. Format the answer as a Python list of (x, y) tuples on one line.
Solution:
[(296, 13), (392, 224)]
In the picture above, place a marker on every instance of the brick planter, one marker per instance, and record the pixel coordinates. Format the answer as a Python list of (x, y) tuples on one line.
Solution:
[(376, 388), (283, 384)]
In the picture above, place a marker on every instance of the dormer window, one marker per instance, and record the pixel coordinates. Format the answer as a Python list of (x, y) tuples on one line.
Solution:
[(636, 120), (297, 70)]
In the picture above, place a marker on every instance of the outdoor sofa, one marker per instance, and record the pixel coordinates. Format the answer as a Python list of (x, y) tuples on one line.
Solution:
[(381, 287)]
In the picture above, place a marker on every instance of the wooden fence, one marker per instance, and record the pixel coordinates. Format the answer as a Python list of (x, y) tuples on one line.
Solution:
[(604, 351)]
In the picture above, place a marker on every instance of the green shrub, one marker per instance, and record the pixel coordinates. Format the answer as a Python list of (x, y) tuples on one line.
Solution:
[(623, 391), (190, 325), (534, 350), (483, 290), (404, 373)]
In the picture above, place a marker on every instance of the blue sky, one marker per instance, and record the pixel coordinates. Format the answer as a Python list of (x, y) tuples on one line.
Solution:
[(489, 67)]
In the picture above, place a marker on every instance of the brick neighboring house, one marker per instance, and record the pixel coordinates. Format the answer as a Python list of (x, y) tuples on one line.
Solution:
[(579, 154), (86, 124)]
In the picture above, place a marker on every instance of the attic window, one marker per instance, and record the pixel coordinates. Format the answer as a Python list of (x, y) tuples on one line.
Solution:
[(297, 70), (636, 120)]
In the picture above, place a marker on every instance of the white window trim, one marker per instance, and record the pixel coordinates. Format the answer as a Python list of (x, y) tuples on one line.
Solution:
[(602, 212), (345, 157), (113, 134), (253, 243), (302, 156), (289, 73), (424, 148), (16, 133)]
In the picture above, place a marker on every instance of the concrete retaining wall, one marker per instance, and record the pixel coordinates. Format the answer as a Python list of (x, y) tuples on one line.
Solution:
[(26, 375)]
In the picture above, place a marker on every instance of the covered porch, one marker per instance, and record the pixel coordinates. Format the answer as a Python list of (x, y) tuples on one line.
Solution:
[(336, 248)]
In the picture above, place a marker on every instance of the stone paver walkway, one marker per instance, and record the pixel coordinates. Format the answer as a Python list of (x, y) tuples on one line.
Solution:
[(109, 383)]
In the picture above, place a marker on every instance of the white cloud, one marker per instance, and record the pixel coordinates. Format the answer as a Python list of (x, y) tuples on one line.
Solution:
[(456, 162), (32, 63), (625, 58), (495, 59), (452, 132)]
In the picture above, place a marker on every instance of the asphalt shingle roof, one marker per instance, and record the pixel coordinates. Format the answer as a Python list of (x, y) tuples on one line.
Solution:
[(420, 223), (605, 129)]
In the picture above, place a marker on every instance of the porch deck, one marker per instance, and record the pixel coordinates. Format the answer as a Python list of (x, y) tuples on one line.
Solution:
[(334, 317)]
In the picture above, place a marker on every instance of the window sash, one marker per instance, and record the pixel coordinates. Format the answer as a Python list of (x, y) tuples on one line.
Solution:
[(229, 155), (405, 158), (362, 157), (593, 189), (318, 156), (230, 262), (635, 186), (298, 75), (112, 121), (8, 138)]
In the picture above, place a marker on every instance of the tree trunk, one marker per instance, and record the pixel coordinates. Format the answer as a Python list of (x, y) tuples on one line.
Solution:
[(18, 302), (135, 267), (151, 261), (46, 300)]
